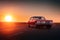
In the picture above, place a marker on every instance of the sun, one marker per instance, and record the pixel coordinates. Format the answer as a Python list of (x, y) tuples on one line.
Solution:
[(8, 18)]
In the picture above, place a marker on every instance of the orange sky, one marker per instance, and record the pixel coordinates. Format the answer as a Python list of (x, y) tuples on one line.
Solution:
[(22, 12)]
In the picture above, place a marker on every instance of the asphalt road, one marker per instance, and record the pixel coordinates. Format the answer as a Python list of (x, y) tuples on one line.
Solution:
[(23, 32)]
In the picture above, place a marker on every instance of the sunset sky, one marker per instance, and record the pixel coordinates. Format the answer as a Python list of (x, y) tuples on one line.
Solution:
[(22, 11)]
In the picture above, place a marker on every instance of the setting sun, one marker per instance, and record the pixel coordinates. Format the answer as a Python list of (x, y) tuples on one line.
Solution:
[(8, 18)]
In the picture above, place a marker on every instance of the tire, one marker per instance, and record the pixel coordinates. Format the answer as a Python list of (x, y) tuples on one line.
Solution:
[(29, 26), (37, 26), (49, 26)]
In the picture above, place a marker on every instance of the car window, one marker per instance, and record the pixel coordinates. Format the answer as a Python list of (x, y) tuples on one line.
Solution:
[(42, 18), (37, 18), (34, 18)]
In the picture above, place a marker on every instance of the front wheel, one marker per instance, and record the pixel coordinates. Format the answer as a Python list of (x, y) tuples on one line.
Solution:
[(49, 26), (31, 26)]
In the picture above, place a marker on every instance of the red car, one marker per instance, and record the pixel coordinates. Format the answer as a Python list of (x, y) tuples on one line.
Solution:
[(39, 21)]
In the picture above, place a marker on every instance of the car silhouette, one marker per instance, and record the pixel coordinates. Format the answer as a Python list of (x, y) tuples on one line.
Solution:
[(39, 21)]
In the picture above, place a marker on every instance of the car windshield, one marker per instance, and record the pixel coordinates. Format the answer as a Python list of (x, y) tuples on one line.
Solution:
[(37, 18)]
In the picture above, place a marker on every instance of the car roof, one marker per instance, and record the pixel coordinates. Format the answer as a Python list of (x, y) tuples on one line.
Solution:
[(37, 17)]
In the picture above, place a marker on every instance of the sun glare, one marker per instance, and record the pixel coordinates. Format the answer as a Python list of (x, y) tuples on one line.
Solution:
[(8, 18)]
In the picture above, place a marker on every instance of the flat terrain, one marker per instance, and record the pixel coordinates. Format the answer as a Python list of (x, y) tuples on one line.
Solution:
[(21, 31)]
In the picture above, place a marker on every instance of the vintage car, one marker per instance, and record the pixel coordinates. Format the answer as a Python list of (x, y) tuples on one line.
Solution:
[(39, 21)]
